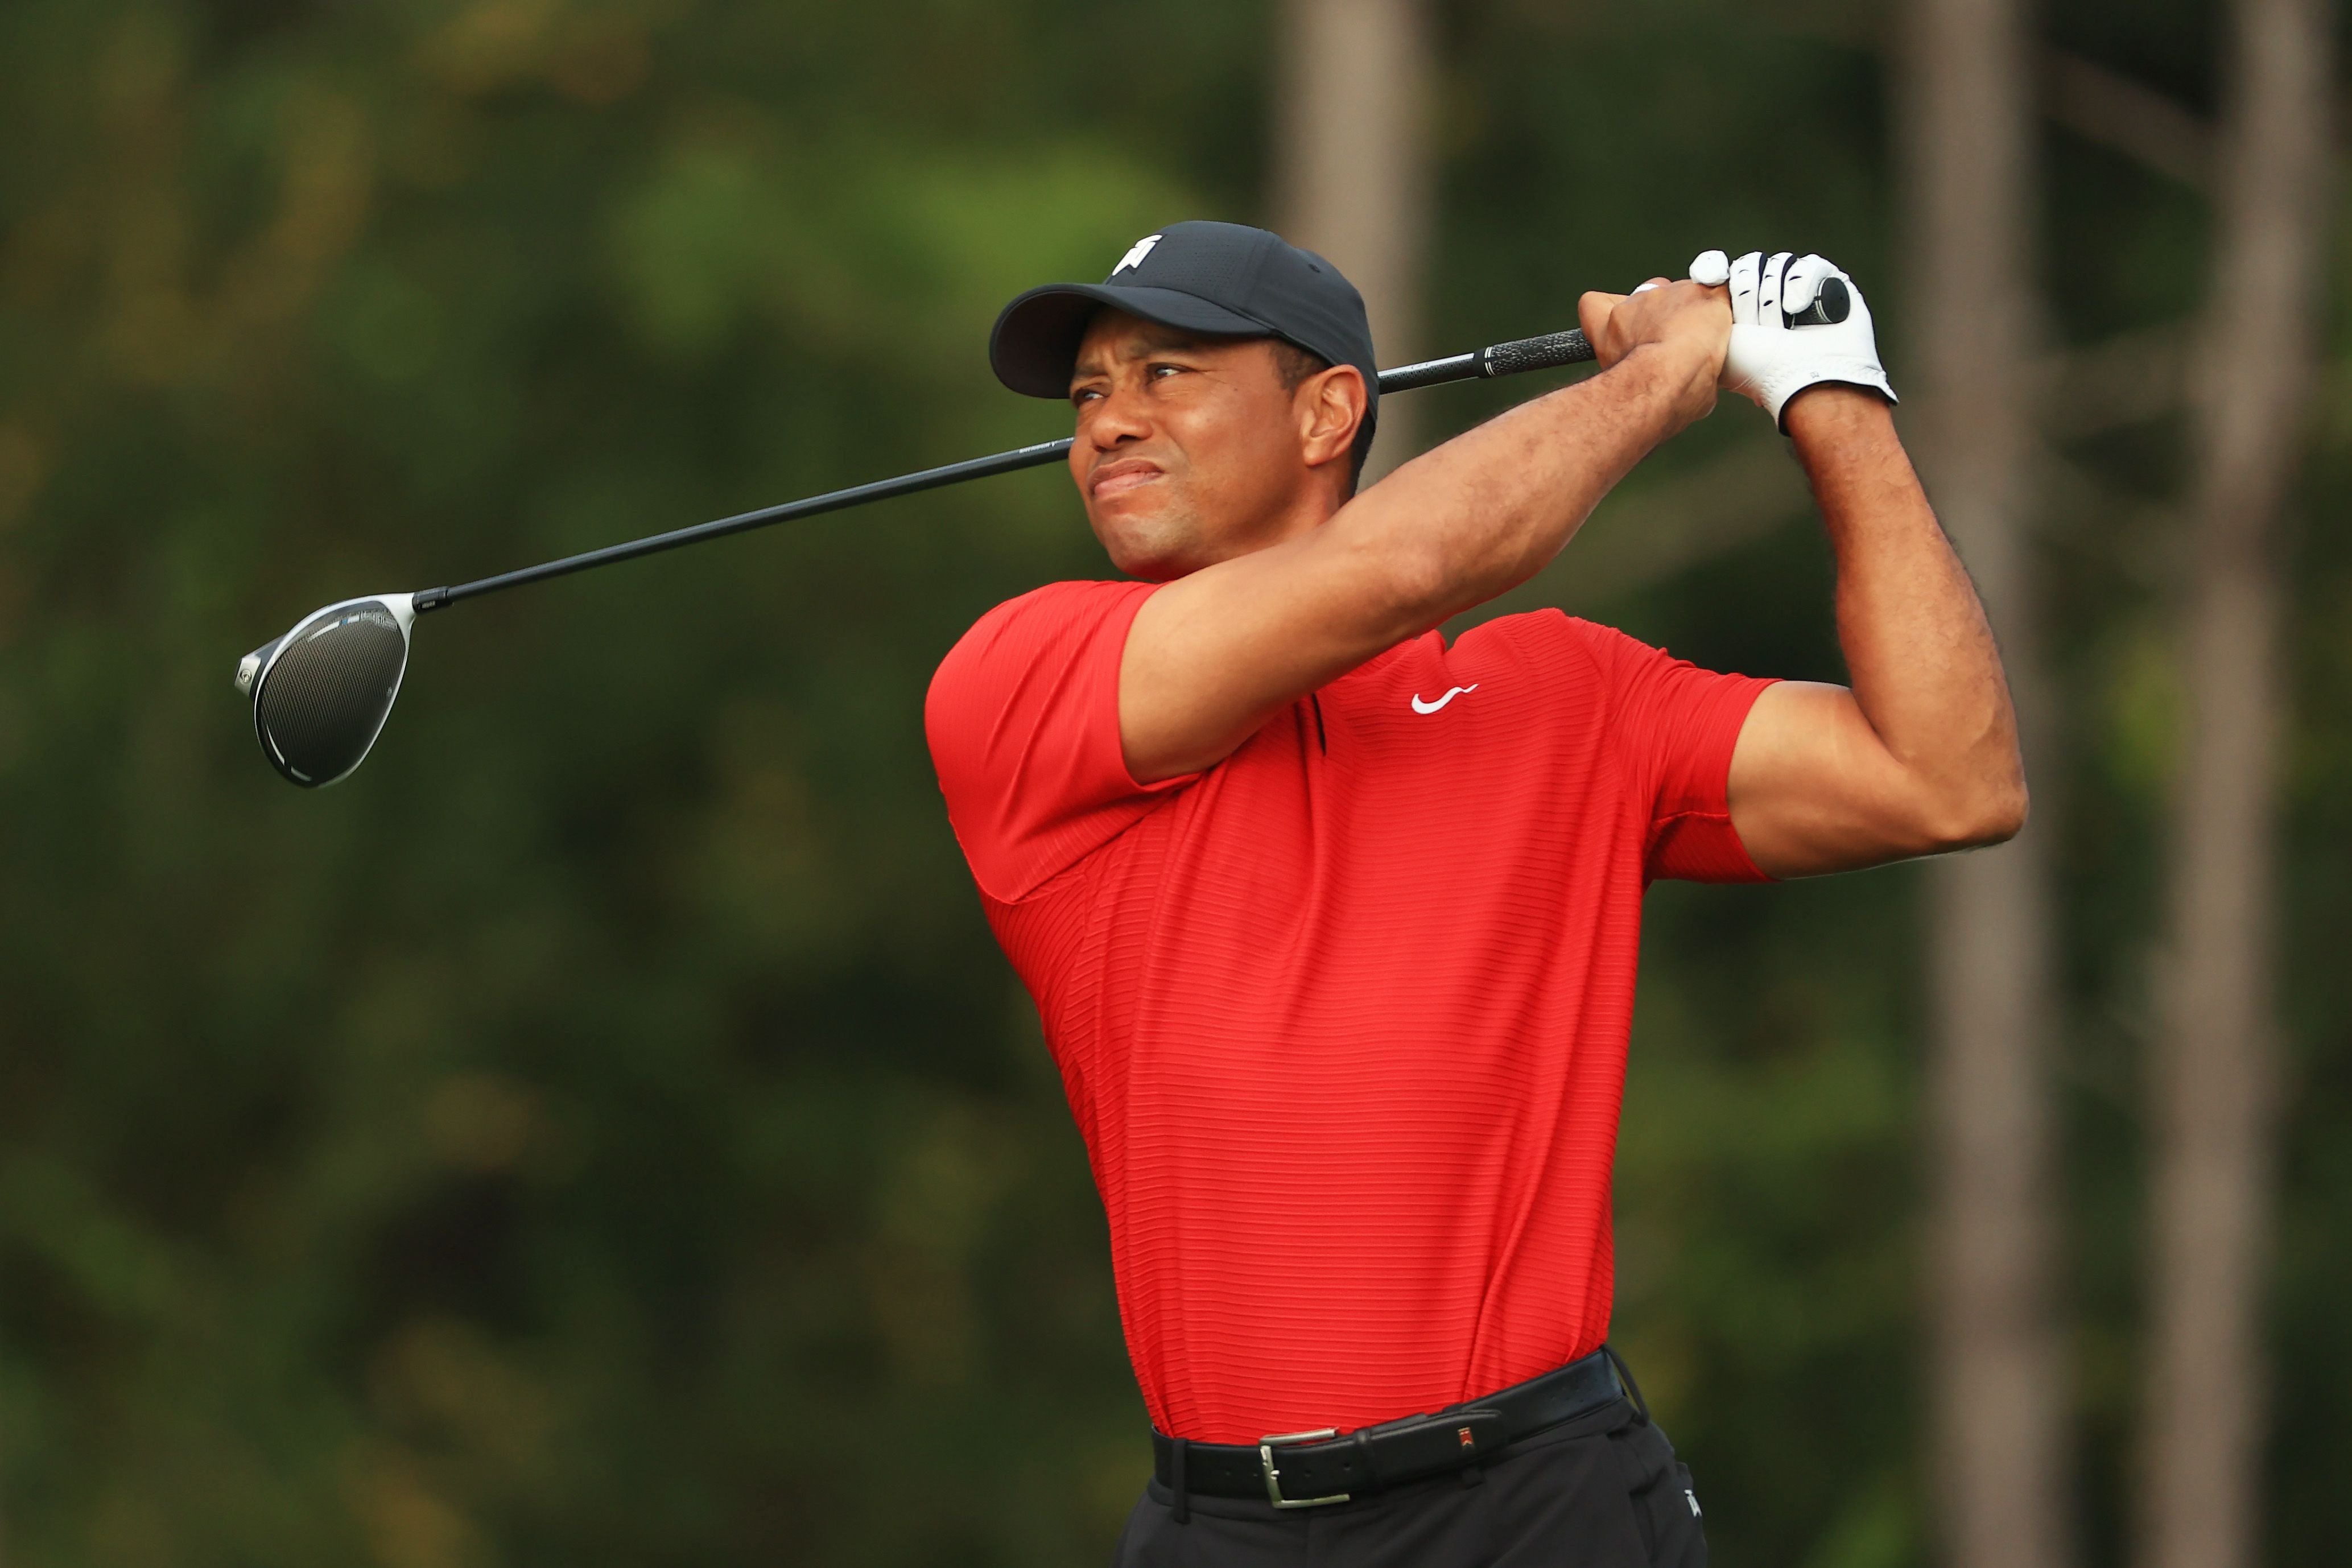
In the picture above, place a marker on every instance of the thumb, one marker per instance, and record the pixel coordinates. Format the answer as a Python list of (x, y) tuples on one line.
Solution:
[(1592, 313)]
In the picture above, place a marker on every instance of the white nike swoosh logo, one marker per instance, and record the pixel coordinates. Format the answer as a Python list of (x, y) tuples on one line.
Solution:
[(1420, 707)]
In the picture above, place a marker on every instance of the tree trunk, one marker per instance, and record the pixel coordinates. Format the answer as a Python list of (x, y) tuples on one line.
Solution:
[(1997, 1394), (1351, 170), (2216, 1076)]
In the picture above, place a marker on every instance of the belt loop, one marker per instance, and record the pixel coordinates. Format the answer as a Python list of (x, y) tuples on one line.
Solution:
[(1183, 1510), (1363, 1441), (1625, 1376)]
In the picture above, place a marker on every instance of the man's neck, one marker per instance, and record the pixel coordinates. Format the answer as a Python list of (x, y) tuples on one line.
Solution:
[(1314, 507)]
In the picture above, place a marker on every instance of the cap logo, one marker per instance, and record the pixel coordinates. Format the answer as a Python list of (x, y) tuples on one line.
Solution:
[(1135, 254)]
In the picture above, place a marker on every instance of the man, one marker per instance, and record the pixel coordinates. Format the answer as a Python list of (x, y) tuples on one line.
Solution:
[(1333, 925)]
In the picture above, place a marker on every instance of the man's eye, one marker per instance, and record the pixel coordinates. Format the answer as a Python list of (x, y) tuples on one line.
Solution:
[(1084, 393), (1159, 371)]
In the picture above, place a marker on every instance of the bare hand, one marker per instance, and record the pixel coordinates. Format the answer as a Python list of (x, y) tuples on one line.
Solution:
[(1687, 325)]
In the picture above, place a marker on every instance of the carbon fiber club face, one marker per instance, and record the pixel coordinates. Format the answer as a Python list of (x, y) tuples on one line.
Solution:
[(322, 692)]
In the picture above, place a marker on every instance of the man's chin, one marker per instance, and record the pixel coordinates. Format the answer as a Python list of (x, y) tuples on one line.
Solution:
[(1149, 553), (1151, 568)]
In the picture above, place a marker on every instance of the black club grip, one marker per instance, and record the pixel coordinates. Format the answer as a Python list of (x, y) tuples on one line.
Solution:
[(1535, 353), (1834, 304)]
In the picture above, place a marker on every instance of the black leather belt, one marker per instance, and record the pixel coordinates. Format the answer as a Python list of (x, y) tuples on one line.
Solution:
[(1306, 1469)]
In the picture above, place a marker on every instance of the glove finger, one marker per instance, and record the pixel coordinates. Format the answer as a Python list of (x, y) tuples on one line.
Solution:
[(1744, 282), (1710, 268), (1801, 285), (1768, 293)]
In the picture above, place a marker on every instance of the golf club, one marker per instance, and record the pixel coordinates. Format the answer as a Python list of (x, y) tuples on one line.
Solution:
[(321, 694)]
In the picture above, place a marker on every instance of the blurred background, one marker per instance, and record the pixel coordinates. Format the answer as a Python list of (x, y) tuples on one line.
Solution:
[(604, 1132)]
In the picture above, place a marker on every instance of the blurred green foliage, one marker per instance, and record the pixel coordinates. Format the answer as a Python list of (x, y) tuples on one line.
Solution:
[(603, 1130)]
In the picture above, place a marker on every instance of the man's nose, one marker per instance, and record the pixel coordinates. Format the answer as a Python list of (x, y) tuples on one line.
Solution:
[(1120, 415)]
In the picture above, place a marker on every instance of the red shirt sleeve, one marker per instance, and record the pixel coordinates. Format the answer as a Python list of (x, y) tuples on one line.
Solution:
[(1023, 719), (1676, 726)]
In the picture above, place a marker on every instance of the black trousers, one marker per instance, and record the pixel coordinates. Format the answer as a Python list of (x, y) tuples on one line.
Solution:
[(1601, 1491)]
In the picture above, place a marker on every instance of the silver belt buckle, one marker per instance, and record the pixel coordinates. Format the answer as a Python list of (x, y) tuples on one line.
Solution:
[(1273, 1477)]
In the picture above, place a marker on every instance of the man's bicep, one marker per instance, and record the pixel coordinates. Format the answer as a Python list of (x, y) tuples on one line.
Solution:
[(1814, 790), (1212, 656)]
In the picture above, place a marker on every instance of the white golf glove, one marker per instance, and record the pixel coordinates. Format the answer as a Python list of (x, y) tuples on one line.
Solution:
[(1780, 343)]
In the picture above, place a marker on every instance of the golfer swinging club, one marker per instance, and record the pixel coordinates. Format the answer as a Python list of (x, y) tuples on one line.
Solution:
[(1333, 925)]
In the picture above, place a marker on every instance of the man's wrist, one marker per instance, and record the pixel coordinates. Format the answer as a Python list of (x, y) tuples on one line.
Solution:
[(1679, 374), (1831, 414)]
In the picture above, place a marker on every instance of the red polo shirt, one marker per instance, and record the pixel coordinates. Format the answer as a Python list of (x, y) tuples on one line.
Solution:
[(1342, 1019)]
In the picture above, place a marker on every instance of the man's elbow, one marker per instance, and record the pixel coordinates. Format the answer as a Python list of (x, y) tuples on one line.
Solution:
[(1990, 813), (2003, 813)]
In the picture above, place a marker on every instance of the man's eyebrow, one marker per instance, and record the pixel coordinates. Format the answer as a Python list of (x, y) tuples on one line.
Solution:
[(1144, 344)]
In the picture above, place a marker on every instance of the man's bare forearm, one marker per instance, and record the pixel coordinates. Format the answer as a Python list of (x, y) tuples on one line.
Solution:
[(1491, 508), (1924, 671)]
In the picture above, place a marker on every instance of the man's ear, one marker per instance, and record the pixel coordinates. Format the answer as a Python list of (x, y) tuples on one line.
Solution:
[(1330, 407)]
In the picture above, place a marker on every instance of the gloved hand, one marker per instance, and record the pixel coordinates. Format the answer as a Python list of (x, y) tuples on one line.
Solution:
[(1796, 322)]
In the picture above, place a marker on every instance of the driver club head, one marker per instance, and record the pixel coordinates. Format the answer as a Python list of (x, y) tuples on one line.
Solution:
[(322, 692)]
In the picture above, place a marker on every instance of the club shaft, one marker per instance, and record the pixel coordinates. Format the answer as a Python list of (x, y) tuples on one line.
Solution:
[(1501, 359), (832, 501)]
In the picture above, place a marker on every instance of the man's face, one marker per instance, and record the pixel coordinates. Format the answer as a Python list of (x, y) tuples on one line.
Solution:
[(1189, 447)]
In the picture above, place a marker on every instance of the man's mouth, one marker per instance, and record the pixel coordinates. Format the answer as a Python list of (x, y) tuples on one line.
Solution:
[(1114, 478)]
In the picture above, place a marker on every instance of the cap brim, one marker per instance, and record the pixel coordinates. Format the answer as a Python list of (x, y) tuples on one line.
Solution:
[(1037, 338)]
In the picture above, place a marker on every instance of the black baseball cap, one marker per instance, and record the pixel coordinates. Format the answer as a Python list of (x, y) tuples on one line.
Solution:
[(1222, 278)]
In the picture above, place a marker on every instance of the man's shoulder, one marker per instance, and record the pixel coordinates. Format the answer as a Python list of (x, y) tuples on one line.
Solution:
[(1037, 614), (1040, 629), (1553, 631)]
